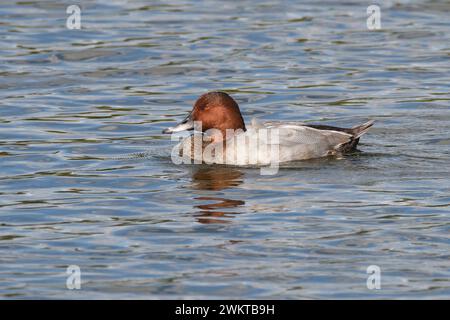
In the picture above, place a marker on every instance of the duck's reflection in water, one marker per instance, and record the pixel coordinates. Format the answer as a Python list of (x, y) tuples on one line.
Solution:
[(216, 178)]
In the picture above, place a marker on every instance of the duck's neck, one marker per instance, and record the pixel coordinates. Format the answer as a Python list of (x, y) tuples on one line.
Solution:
[(223, 134)]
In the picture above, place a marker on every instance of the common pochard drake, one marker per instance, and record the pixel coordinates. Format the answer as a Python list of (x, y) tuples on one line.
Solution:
[(222, 137)]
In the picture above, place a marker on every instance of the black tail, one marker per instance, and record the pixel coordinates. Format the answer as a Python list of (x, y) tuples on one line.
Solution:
[(356, 133)]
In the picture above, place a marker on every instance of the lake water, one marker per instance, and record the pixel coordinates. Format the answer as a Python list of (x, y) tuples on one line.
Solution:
[(86, 176)]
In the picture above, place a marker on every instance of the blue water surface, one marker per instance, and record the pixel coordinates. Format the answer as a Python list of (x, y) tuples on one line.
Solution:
[(86, 177)]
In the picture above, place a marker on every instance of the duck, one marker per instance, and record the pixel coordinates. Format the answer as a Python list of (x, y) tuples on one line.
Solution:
[(222, 137)]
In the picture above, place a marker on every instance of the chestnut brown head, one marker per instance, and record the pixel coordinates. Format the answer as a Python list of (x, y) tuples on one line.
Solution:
[(215, 110)]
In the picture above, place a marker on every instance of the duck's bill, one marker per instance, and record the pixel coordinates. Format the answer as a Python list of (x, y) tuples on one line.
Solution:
[(186, 124)]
